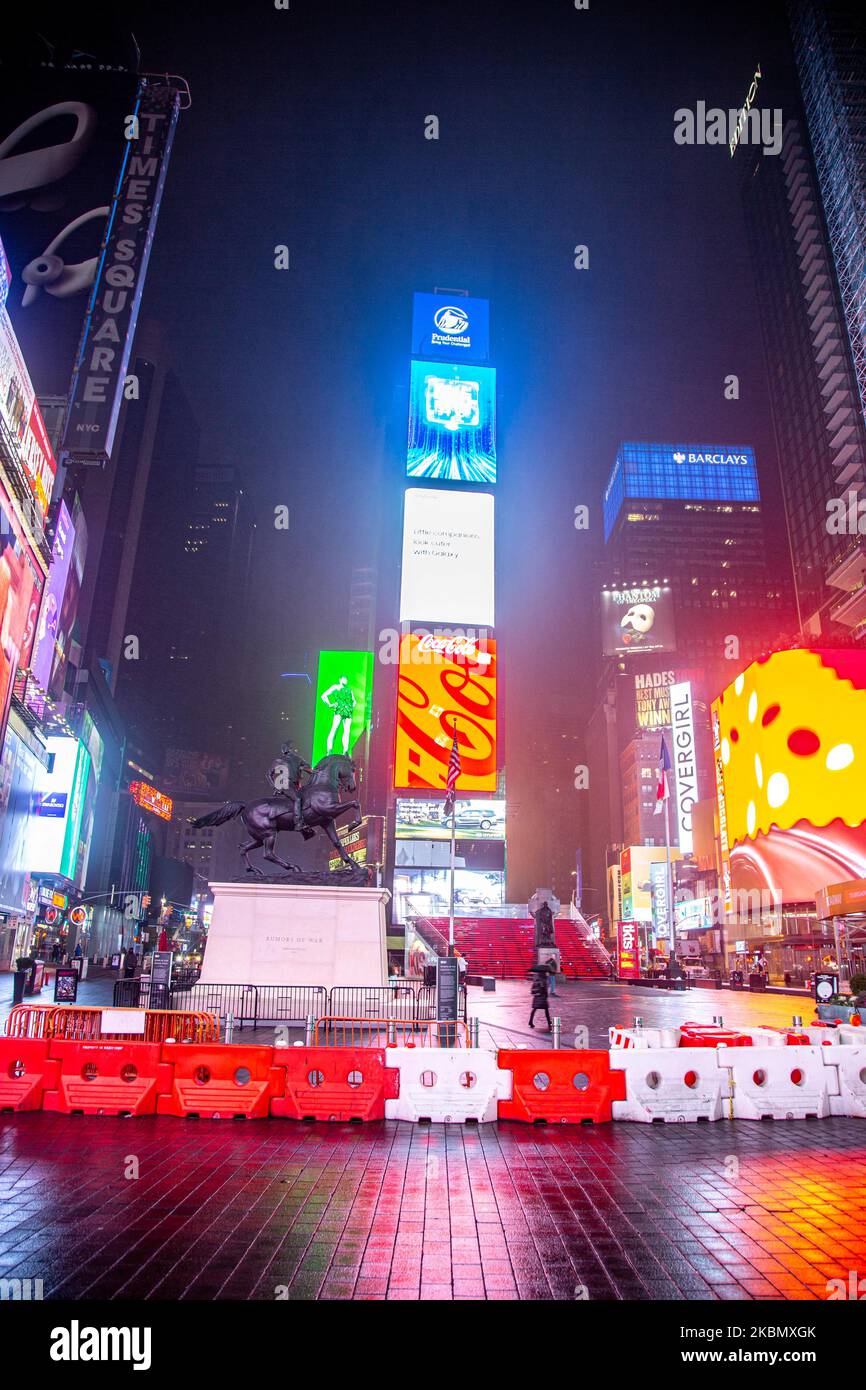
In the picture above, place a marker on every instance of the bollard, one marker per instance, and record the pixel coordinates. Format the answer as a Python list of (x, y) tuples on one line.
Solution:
[(230, 1027), (474, 1032), (308, 1030), (392, 1033), (638, 1021), (797, 1020), (557, 1033)]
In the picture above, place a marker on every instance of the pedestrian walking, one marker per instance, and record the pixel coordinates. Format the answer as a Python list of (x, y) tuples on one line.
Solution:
[(540, 977), (130, 961), (553, 971)]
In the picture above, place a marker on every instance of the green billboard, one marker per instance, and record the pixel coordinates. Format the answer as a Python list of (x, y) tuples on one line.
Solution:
[(344, 701)]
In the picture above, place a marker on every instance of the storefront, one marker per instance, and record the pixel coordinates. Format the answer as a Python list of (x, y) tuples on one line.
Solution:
[(793, 942), (841, 908)]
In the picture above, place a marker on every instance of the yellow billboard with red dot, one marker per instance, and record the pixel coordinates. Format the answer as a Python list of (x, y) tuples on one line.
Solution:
[(790, 736)]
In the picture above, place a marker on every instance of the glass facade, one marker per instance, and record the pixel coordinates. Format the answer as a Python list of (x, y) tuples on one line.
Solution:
[(683, 472)]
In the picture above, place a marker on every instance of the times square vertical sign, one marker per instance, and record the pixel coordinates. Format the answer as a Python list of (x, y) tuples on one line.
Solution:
[(99, 375)]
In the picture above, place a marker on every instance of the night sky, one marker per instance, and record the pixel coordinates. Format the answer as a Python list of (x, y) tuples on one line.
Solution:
[(556, 128)]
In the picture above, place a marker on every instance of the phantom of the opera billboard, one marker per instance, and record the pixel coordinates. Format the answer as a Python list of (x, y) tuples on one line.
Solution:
[(452, 423), (637, 620), (447, 571), (443, 685), (790, 753), (344, 698), (452, 327)]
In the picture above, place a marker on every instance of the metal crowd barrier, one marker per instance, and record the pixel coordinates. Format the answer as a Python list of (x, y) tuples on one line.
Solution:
[(252, 1005), (333, 1031)]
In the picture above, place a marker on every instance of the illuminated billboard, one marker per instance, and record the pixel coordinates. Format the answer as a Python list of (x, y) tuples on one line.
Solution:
[(344, 701), (421, 819), (22, 417), (436, 692), (637, 620), (452, 423), (685, 768), (682, 472), (149, 799), (62, 130), (45, 645), (427, 892), (447, 573), (54, 829), (790, 736), (21, 583), (636, 879), (453, 327)]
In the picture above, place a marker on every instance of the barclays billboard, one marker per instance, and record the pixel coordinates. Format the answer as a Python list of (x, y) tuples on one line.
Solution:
[(682, 472), (450, 328)]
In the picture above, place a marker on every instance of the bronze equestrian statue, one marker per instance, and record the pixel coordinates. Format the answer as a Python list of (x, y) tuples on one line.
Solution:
[(304, 802)]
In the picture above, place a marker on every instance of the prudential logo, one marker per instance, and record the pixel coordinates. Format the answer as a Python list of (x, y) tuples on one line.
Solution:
[(451, 320), (77, 1343)]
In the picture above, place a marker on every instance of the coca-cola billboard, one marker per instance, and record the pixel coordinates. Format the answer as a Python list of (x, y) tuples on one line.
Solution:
[(437, 695)]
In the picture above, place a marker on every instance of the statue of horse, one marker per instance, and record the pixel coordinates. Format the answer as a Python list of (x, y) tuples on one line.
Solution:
[(321, 802)]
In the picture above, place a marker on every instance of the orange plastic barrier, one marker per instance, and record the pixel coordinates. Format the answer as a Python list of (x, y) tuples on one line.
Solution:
[(560, 1087), (334, 1083), (220, 1080), (25, 1072), (83, 1023), (711, 1035), (106, 1078)]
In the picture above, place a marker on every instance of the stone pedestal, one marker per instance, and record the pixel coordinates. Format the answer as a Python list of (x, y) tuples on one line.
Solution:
[(293, 934)]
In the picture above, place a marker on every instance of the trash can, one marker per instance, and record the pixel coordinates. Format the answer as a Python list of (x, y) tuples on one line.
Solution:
[(19, 980)]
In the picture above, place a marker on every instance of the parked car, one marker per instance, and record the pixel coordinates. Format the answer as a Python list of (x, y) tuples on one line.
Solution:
[(474, 818)]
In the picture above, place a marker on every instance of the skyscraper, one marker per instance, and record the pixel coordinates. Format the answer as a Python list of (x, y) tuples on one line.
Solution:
[(806, 220), (688, 596)]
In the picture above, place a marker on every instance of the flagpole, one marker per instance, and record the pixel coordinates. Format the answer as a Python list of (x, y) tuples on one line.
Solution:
[(671, 926), (451, 910), (453, 795)]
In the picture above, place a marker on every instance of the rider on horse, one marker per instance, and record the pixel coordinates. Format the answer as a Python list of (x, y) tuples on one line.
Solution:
[(286, 775)]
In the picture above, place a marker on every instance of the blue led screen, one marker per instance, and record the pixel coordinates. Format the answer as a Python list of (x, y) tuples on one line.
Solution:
[(452, 423), (453, 327), (684, 472)]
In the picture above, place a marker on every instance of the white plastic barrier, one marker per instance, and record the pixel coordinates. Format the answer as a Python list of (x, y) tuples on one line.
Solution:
[(822, 1037), (444, 1086), (766, 1037), (849, 1065), (778, 1083), (672, 1085), (643, 1038), (851, 1036)]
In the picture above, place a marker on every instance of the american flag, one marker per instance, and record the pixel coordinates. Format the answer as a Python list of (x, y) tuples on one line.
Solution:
[(663, 789), (453, 774)]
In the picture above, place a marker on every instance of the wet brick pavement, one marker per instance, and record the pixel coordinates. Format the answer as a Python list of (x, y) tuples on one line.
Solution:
[(258, 1209)]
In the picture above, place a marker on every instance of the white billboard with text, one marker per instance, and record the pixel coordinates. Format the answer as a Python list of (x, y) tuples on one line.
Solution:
[(447, 574)]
